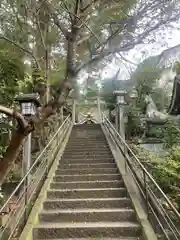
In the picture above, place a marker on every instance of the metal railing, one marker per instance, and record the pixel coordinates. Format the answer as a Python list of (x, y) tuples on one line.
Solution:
[(162, 214), (26, 192)]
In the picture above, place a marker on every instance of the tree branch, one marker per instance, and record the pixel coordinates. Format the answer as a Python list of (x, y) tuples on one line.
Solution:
[(126, 47), (83, 9), (127, 60), (11, 113), (85, 24), (56, 20), (40, 32), (82, 40)]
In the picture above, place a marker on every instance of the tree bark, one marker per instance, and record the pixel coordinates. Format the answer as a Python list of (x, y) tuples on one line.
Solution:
[(11, 154)]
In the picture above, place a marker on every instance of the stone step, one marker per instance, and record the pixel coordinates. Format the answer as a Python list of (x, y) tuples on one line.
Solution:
[(91, 125), (88, 147), (86, 171), (87, 193), (84, 154), (108, 159), (86, 161), (87, 184), (87, 203), (87, 198), (86, 157), (86, 165), (87, 177), (87, 126), (85, 143), (100, 148), (86, 230), (90, 152), (77, 138), (88, 215), (119, 238), (75, 158)]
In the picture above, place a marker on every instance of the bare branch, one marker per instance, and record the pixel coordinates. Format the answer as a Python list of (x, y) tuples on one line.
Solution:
[(11, 113), (127, 60), (123, 48), (112, 36), (82, 40), (84, 8), (56, 20), (66, 7), (85, 24), (40, 32), (39, 7), (59, 25)]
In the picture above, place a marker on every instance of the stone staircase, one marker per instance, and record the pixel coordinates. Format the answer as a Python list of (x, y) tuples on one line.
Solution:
[(87, 198)]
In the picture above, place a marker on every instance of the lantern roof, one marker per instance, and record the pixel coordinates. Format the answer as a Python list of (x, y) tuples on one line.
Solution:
[(29, 97), (120, 92)]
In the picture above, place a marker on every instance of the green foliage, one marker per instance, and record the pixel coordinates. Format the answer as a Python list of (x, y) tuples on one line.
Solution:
[(155, 132), (146, 74), (25, 85), (145, 79), (134, 125), (11, 74), (107, 94), (91, 92), (161, 98), (171, 134), (168, 132), (11, 71), (164, 169), (176, 67)]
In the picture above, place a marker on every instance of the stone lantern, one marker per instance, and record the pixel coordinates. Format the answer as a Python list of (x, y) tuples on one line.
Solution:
[(120, 95), (29, 104)]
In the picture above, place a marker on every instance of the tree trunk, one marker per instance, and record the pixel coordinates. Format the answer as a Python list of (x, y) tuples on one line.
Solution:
[(11, 154)]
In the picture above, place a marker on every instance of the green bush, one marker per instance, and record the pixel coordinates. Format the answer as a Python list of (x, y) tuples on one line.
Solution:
[(165, 170)]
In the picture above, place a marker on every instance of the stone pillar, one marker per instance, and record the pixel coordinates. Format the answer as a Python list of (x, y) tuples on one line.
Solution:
[(74, 112), (120, 112), (26, 162), (116, 118), (99, 109)]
